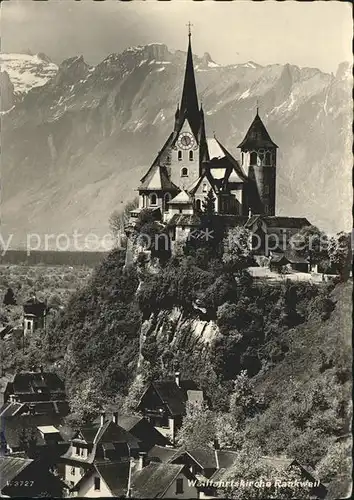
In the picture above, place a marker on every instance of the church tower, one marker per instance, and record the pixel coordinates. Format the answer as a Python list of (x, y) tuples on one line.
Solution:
[(258, 158), (189, 148)]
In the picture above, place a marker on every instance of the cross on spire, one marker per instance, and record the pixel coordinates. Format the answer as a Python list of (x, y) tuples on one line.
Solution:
[(257, 106), (189, 26)]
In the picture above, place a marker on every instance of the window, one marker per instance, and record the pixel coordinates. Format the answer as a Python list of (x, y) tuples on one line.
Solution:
[(266, 189), (167, 199), (28, 325), (77, 451), (205, 188), (184, 172), (73, 471), (180, 211), (179, 154), (179, 485), (198, 204), (191, 156), (253, 158), (268, 158), (153, 199), (97, 484)]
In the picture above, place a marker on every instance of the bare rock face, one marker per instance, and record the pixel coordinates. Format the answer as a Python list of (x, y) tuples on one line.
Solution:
[(75, 147), (7, 94)]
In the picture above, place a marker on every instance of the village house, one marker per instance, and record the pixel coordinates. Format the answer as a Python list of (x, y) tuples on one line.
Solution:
[(34, 409), (26, 478), (102, 441), (34, 315), (163, 403), (137, 479)]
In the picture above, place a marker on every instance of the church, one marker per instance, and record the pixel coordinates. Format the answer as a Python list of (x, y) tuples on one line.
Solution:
[(190, 165)]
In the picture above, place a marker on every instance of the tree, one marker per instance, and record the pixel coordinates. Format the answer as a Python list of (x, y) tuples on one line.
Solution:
[(9, 298), (198, 428), (237, 248), (119, 218), (340, 254), (311, 242), (244, 402), (85, 402), (209, 203)]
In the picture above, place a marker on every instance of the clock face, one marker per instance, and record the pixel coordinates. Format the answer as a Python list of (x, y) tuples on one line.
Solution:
[(186, 140)]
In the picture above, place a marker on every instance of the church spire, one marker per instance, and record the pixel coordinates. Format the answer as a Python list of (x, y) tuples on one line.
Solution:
[(189, 103)]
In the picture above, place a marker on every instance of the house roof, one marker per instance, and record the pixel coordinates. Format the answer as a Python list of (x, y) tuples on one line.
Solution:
[(141, 428), (183, 198), (13, 427), (257, 136), (37, 407), (10, 468), (162, 454), (279, 222), (108, 433), (184, 220), (172, 395), (154, 479), (28, 382), (115, 475)]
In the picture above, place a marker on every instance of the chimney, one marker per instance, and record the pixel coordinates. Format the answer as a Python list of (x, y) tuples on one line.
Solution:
[(115, 417), (102, 418), (178, 378), (142, 460)]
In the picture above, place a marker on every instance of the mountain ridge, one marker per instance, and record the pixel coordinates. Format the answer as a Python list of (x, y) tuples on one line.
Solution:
[(87, 135)]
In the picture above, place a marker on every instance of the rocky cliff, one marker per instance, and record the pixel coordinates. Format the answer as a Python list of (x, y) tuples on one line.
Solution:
[(75, 148)]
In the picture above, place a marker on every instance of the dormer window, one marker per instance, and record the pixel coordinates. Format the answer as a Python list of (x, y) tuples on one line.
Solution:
[(191, 155), (179, 155), (184, 172)]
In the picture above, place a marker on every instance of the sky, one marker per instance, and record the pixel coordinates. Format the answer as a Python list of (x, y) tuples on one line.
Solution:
[(314, 34)]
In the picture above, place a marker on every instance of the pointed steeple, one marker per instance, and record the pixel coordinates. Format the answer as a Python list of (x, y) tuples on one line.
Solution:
[(189, 103), (257, 136)]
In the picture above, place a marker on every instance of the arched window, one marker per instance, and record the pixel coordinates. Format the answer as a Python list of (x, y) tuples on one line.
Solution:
[(205, 187), (253, 158), (191, 155), (153, 199), (198, 204), (184, 172), (268, 158), (167, 199), (179, 154), (242, 158)]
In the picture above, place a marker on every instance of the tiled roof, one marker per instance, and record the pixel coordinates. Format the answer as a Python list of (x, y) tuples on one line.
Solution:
[(162, 454), (257, 136), (154, 479), (184, 220), (10, 468), (13, 427), (279, 221), (25, 383), (141, 428), (173, 395), (115, 475)]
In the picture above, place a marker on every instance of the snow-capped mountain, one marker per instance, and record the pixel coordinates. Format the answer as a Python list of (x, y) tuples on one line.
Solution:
[(27, 71), (75, 148)]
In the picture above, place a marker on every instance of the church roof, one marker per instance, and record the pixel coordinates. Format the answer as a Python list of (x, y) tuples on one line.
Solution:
[(189, 104), (183, 198), (237, 169), (257, 136), (157, 179), (279, 221)]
